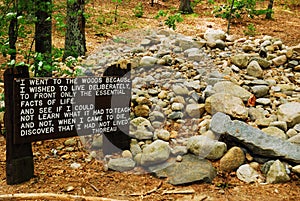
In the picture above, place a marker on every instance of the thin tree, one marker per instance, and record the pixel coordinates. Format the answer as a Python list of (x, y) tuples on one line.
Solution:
[(185, 7), (43, 34), (75, 34), (270, 10)]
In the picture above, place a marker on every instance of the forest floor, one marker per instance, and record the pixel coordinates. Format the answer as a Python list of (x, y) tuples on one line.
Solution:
[(54, 174)]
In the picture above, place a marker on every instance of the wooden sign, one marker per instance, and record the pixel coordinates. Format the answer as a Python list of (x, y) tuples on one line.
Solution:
[(49, 108)]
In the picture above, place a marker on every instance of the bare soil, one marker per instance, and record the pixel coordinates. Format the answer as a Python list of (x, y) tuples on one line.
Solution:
[(54, 174)]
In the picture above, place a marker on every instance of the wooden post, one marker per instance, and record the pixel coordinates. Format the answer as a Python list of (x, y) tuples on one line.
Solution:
[(120, 140), (19, 157)]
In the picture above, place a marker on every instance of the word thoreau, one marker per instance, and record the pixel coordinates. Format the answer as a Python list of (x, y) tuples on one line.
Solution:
[(56, 105)]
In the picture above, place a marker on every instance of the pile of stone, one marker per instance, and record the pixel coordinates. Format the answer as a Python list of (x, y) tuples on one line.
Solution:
[(213, 98)]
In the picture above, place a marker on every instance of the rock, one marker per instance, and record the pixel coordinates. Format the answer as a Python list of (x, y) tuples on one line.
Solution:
[(154, 153), (233, 89), (70, 142), (296, 169), (97, 142), (226, 103), (247, 174), (214, 37), (162, 134), (190, 169), (279, 124), (256, 113), (195, 110), (240, 60), (254, 69), (295, 139), (277, 173), (260, 90), (141, 128), (177, 106), (179, 150), (263, 63), (280, 60), (205, 147), (75, 165), (175, 115), (121, 164), (148, 61), (263, 101), (126, 154), (180, 89), (266, 166), (274, 131), (290, 113), (233, 159), (254, 139), (142, 111), (135, 147)]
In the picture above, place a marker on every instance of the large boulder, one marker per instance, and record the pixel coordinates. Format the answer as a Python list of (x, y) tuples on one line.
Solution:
[(254, 139)]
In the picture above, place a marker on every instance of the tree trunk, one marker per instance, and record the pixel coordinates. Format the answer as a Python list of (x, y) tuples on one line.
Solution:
[(43, 34), (75, 35), (185, 7), (270, 10)]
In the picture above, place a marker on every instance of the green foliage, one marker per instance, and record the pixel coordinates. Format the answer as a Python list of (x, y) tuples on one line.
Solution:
[(138, 10), (251, 30), (171, 19), (195, 3), (239, 9)]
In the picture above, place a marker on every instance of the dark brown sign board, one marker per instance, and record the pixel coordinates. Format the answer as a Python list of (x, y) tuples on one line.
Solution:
[(49, 108)]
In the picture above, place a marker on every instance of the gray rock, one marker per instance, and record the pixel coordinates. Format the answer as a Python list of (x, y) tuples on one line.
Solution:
[(297, 127), (180, 89), (179, 150), (295, 139), (233, 89), (296, 169), (121, 164), (148, 61), (97, 142), (233, 159), (280, 60), (162, 134), (256, 113), (205, 147), (240, 60), (212, 35), (247, 174), (190, 169), (290, 113), (279, 124), (226, 103), (175, 115), (260, 90), (276, 132), (263, 63), (154, 153), (177, 106), (195, 110), (141, 128), (277, 173), (266, 167), (156, 116), (254, 69), (263, 101), (254, 139)]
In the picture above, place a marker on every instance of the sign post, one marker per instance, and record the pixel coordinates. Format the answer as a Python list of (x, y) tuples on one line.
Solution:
[(49, 108)]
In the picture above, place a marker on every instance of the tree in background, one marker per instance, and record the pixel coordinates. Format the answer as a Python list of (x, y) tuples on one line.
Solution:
[(75, 34), (185, 7), (43, 36)]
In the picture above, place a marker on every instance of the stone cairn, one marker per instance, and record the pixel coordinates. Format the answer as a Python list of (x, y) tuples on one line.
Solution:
[(210, 99)]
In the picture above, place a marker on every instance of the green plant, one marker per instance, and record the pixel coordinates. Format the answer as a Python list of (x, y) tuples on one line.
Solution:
[(171, 19), (251, 30), (117, 2), (195, 3), (138, 10)]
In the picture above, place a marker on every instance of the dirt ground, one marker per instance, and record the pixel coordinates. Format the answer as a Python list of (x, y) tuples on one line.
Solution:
[(54, 174)]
